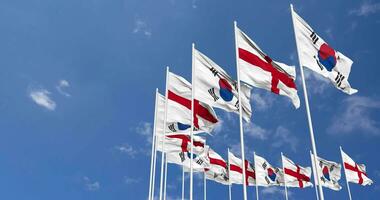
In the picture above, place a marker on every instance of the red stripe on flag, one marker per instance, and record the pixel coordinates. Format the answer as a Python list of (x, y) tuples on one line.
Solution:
[(297, 174), (267, 66), (357, 170)]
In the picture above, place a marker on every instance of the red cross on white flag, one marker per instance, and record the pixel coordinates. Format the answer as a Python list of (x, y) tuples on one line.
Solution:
[(236, 172), (355, 173), (295, 175)]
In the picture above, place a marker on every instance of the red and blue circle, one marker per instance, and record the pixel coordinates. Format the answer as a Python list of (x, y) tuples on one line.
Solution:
[(271, 174), (326, 173), (182, 127), (225, 90), (326, 56)]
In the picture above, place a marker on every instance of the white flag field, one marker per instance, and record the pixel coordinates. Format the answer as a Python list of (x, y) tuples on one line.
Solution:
[(236, 171), (217, 89), (296, 175), (315, 54)]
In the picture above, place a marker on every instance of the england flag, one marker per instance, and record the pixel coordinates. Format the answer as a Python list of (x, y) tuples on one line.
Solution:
[(315, 54), (236, 171), (259, 70), (295, 175), (218, 168), (216, 88), (355, 173)]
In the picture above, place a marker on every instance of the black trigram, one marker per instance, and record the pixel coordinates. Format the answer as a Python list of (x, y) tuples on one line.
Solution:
[(235, 85), (314, 37), (172, 128), (237, 105), (211, 91), (182, 156), (199, 162), (267, 180), (214, 71), (264, 165), (339, 79)]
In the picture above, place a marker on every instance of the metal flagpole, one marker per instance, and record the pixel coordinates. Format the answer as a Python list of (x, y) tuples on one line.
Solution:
[(183, 183), (204, 181), (204, 186), (240, 115), (153, 146), (154, 166), (166, 174), (315, 175), (283, 170), (314, 148), (229, 177), (257, 187), (192, 120), (163, 136), (348, 185)]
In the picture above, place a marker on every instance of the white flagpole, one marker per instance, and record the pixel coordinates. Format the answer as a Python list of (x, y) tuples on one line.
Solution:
[(204, 186), (315, 175), (257, 187), (166, 175), (183, 183), (283, 170), (192, 120), (163, 137), (240, 114), (314, 148), (229, 176), (348, 185), (154, 166), (153, 147)]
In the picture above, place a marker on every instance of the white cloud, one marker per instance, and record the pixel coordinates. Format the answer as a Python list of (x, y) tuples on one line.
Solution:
[(91, 185), (283, 137), (127, 149), (218, 127), (62, 84), (141, 27), (262, 100), (315, 83), (329, 33), (274, 191), (41, 97), (255, 131), (355, 115), (145, 129), (130, 180), (194, 4), (366, 8)]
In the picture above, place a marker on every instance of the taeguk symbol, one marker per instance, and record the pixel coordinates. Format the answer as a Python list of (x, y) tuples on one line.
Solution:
[(182, 127), (326, 56), (271, 174), (225, 90), (326, 173)]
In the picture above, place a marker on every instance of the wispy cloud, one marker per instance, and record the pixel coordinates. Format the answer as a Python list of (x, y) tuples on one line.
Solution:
[(262, 100), (283, 137), (91, 185), (256, 131), (270, 191), (355, 115), (62, 85), (366, 8), (41, 97), (316, 84), (127, 149), (145, 129), (130, 180), (141, 27)]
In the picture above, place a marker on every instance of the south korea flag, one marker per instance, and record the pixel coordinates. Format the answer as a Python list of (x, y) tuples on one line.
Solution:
[(266, 174)]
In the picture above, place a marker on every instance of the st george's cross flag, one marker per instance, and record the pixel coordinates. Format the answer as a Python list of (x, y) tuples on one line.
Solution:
[(218, 168), (295, 175), (259, 70), (355, 173), (179, 107), (216, 88), (236, 171), (266, 174), (329, 173), (315, 54), (175, 142), (199, 161)]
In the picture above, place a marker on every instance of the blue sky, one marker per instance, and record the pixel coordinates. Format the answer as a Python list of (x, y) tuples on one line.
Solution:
[(78, 78)]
